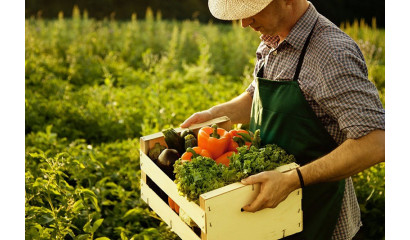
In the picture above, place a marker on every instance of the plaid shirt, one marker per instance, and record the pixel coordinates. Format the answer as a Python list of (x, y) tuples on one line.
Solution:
[(334, 82)]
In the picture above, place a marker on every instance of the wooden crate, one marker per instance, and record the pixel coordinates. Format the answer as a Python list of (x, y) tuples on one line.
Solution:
[(219, 215)]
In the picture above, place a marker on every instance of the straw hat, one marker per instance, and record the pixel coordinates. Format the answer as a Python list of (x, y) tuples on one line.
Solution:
[(236, 9)]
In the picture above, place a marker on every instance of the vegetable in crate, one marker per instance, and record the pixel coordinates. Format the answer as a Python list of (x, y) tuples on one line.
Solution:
[(255, 160), (166, 162), (195, 152), (198, 176), (256, 141), (173, 140), (186, 132), (214, 139), (154, 152), (239, 138), (224, 158), (201, 174), (190, 141), (173, 205)]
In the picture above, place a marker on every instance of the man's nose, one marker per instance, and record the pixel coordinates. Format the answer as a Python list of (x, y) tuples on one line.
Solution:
[(246, 22)]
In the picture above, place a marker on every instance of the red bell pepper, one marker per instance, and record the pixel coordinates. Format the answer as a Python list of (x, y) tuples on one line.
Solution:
[(239, 138), (224, 158), (214, 139)]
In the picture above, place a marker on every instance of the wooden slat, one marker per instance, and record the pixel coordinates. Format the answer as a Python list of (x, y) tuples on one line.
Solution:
[(202, 205), (143, 177), (170, 188), (146, 145), (234, 186), (219, 191), (223, 122), (287, 167), (226, 221), (167, 214)]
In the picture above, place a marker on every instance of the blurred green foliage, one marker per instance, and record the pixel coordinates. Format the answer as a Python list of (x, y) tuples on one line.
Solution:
[(337, 11), (94, 87)]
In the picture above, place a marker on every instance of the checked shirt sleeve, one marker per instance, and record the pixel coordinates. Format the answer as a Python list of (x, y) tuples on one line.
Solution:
[(346, 94)]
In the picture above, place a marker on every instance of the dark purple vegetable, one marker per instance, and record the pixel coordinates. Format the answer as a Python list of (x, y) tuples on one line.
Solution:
[(166, 162)]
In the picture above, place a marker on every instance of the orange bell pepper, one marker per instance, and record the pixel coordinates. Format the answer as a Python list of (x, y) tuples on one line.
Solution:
[(173, 205), (238, 140), (224, 158), (214, 139), (187, 156), (177, 208)]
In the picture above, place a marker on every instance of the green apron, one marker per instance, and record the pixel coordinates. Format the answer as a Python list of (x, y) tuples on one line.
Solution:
[(284, 117)]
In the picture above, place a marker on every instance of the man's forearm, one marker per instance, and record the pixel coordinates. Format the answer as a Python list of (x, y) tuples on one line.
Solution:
[(350, 158), (238, 109)]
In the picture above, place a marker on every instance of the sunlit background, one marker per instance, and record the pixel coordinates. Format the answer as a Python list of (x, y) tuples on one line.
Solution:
[(101, 74)]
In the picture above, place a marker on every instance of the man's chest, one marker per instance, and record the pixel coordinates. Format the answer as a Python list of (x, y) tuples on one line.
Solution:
[(280, 65)]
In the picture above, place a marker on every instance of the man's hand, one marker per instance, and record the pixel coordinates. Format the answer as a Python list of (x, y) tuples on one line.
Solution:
[(238, 110), (275, 187), (351, 157), (198, 117)]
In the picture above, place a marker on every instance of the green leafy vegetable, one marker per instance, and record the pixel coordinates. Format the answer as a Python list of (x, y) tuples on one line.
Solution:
[(201, 174), (198, 176), (253, 160)]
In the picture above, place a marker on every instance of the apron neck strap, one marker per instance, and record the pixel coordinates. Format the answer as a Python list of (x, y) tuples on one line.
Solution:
[(302, 54), (259, 74)]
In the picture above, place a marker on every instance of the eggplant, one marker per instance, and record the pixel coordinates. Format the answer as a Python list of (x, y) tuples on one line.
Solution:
[(166, 162)]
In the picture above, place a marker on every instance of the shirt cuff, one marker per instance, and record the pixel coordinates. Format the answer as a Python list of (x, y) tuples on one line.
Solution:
[(358, 124)]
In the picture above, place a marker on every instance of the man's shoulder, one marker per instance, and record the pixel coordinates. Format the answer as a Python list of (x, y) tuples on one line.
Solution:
[(331, 42)]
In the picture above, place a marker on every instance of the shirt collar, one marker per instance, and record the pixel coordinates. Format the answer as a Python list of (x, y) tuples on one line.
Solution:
[(270, 41), (297, 36), (299, 32)]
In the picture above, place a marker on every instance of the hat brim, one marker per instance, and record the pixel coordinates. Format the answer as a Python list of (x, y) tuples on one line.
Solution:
[(236, 9)]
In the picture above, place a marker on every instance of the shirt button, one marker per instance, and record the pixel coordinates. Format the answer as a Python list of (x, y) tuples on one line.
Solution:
[(274, 53)]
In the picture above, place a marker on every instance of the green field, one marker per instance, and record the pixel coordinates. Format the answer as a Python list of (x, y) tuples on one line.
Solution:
[(92, 88)]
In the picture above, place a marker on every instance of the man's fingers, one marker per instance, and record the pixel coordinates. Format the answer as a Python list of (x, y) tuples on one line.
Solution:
[(256, 205), (260, 200), (187, 123), (192, 119), (257, 178), (198, 117)]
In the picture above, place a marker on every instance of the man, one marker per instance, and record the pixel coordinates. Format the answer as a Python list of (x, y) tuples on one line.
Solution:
[(312, 97)]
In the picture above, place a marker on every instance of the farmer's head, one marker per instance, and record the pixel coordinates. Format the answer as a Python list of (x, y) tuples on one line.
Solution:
[(265, 16)]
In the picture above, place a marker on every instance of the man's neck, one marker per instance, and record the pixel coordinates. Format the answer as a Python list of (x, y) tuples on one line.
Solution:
[(300, 8)]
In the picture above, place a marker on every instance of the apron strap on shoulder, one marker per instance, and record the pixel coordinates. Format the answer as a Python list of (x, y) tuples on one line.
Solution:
[(302, 55)]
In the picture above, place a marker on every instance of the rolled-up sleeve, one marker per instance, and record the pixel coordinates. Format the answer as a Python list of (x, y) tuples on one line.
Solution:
[(347, 95)]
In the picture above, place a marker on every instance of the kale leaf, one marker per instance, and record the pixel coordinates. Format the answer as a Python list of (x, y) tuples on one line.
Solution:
[(202, 174)]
